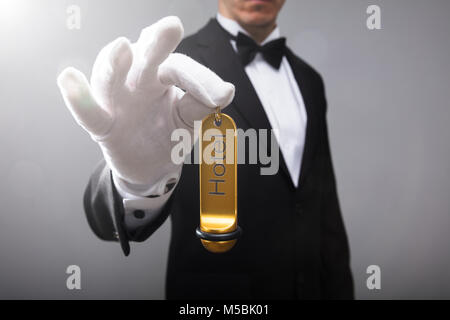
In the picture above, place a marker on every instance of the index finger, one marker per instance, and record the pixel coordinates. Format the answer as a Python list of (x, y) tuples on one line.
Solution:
[(160, 39)]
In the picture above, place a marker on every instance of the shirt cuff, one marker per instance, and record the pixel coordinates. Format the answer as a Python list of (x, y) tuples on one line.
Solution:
[(143, 203)]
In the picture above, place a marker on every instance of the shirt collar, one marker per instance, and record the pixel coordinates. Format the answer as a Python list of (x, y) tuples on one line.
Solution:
[(234, 28)]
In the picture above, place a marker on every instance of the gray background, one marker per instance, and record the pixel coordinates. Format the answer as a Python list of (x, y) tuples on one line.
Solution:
[(388, 94)]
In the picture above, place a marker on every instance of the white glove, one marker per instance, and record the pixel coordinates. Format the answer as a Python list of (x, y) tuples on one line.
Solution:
[(134, 101)]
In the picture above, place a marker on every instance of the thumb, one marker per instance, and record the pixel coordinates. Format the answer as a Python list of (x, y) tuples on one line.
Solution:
[(79, 100)]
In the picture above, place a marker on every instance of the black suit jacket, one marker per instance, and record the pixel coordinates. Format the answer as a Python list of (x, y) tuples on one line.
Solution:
[(294, 243)]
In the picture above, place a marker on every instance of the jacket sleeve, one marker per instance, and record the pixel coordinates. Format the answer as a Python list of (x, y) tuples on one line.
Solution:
[(336, 277), (106, 215)]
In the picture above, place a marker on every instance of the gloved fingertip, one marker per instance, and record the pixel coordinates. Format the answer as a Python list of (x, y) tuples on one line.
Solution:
[(163, 37), (69, 79), (227, 95), (172, 26), (121, 55)]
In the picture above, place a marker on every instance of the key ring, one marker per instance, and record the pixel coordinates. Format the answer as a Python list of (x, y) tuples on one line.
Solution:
[(218, 117)]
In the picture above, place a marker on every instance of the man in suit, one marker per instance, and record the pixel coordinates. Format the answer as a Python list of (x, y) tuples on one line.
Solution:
[(294, 243)]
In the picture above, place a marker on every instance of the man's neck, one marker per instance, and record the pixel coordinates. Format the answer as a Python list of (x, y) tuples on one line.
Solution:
[(258, 33)]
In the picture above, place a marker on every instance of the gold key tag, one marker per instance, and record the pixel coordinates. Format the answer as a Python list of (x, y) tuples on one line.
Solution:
[(218, 230)]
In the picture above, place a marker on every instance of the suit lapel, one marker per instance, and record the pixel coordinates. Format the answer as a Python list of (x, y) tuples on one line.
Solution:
[(303, 78)]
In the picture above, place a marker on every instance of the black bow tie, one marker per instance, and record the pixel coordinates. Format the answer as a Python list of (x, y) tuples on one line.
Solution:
[(272, 51)]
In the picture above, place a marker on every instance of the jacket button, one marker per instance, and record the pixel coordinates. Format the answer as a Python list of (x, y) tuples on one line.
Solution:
[(139, 214)]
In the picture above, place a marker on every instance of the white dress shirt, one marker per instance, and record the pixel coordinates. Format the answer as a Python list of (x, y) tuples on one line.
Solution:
[(283, 104)]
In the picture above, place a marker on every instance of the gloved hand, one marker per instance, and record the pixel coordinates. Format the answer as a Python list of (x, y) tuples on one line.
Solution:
[(134, 101)]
